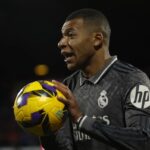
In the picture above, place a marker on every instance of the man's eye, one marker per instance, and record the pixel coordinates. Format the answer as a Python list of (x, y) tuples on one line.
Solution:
[(70, 34)]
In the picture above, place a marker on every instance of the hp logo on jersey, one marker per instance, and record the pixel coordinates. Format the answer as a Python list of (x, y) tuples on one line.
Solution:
[(140, 96)]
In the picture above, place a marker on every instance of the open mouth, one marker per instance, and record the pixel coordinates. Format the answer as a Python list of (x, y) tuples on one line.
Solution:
[(68, 57)]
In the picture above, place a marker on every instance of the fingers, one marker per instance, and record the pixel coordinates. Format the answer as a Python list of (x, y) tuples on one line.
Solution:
[(62, 88), (65, 101), (69, 100), (65, 91), (58, 84)]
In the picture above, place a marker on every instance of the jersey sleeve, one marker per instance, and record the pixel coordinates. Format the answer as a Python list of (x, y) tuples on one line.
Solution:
[(136, 133)]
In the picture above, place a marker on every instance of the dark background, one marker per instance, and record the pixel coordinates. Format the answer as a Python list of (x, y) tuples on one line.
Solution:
[(29, 32)]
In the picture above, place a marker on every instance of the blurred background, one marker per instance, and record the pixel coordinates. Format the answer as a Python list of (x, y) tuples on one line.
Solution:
[(29, 32)]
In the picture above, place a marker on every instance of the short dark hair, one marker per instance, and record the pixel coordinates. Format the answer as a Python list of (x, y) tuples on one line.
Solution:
[(94, 18)]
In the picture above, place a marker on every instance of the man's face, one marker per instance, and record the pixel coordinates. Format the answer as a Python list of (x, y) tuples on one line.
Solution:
[(76, 44)]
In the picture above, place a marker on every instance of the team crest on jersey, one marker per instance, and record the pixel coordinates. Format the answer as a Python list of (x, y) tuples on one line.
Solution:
[(140, 96), (103, 99)]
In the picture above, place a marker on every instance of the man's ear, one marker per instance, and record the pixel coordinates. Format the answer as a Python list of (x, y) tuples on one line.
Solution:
[(98, 40)]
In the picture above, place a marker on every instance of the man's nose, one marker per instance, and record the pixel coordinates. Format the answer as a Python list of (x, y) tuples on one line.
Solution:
[(62, 43)]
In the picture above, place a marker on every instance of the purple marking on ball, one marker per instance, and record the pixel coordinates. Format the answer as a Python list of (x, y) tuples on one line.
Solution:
[(49, 88), (23, 100), (36, 117)]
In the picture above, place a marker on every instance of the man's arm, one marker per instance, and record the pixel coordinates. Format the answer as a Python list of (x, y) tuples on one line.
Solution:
[(128, 138)]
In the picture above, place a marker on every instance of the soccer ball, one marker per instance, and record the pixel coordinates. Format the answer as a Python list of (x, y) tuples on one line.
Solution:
[(37, 110)]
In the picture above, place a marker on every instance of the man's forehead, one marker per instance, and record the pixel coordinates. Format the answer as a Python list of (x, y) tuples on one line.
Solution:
[(72, 24)]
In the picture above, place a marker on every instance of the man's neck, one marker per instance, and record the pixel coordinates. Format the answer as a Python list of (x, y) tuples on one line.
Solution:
[(91, 70)]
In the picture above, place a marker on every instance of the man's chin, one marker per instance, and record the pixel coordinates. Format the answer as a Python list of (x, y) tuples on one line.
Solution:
[(71, 67)]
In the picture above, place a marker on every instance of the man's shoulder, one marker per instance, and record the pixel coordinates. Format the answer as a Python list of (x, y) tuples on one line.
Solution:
[(129, 72), (125, 67)]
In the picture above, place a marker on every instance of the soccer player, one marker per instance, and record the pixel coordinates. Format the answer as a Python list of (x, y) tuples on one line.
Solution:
[(108, 100)]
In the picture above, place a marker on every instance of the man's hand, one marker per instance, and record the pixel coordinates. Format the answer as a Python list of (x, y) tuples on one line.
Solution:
[(69, 101)]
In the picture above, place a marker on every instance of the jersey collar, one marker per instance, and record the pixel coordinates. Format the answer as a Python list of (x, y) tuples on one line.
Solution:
[(94, 79)]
